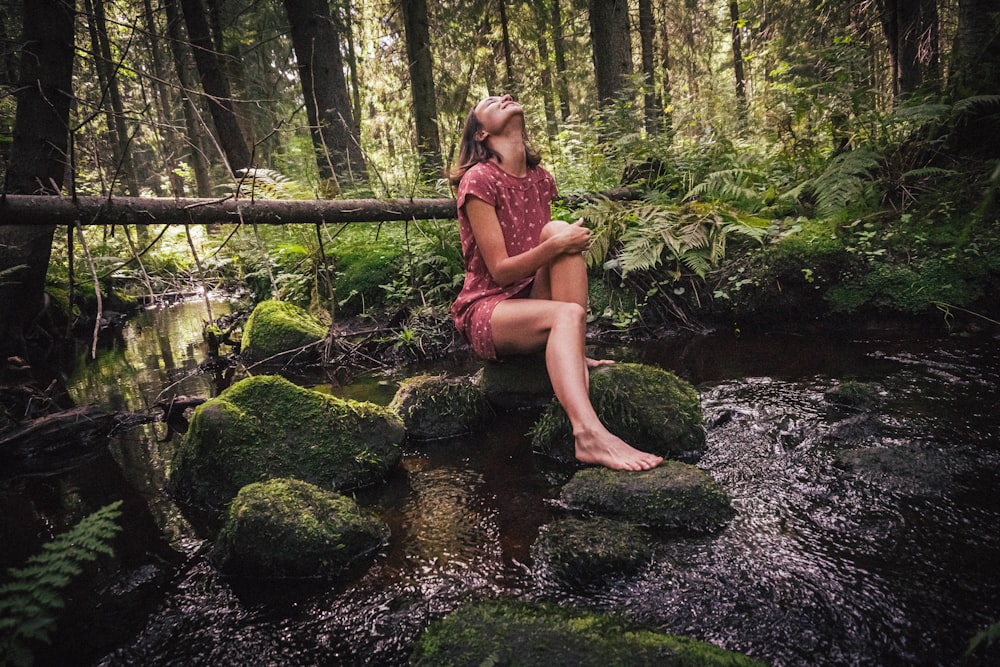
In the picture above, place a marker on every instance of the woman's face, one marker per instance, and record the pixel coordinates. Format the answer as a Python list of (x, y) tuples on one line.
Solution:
[(494, 113)]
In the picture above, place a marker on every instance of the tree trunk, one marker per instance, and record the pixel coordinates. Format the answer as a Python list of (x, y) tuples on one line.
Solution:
[(647, 29), (30, 212), (508, 59), (418, 51), (976, 71), (560, 52), (666, 103), (612, 48), (975, 66), (37, 163), (171, 144), (352, 68), (324, 89), (741, 85), (911, 32), (192, 124), (122, 169), (215, 86), (551, 122)]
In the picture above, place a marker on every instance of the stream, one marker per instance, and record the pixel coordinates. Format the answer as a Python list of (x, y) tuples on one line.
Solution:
[(863, 535)]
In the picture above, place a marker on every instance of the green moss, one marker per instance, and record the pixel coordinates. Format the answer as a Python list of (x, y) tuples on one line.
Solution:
[(648, 407), (438, 406), (265, 427), (363, 267), (526, 634), (289, 528), (279, 329), (673, 495)]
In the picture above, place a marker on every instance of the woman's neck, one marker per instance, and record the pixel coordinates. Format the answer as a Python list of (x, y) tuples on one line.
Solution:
[(511, 150)]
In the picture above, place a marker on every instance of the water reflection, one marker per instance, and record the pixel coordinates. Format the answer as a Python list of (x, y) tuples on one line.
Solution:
[(158, 356)]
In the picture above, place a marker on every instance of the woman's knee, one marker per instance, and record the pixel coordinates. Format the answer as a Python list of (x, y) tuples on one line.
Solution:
[(552, 228), (570, 312)]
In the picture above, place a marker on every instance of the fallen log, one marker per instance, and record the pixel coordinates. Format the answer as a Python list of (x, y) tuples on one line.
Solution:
[(55, 437), (46, 210)]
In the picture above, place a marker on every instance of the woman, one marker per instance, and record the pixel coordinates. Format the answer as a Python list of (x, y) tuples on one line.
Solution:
[(526, 280)]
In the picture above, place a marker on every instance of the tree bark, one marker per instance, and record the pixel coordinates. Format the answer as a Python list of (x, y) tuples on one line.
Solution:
[(666, 104), (559, 46), (216, 86), (199, 161), (976, 71), (647, 29), (328, 104), (122, 168), (37, 163), (611, 46), (418, 51), (31, 211), (740, 77)]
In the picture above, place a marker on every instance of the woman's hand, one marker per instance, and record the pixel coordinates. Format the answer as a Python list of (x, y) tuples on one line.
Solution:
[(573, 238)]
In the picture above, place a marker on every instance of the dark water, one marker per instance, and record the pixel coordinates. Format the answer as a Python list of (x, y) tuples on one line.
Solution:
[(863, 536)]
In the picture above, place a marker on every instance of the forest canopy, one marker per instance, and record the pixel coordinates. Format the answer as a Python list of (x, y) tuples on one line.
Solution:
[(775, 116)]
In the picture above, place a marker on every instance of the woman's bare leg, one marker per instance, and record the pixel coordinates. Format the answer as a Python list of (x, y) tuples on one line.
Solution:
[(559, 327)]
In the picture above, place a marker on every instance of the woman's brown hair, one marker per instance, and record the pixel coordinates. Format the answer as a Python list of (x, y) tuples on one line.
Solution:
[(472, 151)]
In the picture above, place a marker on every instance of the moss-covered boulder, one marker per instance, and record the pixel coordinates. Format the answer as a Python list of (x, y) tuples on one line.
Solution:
[(290, 528), (516, 381), (529, 634), (438, 406), (672, 495), (586, 552), (265, 427), (278, 331), (648, 407)]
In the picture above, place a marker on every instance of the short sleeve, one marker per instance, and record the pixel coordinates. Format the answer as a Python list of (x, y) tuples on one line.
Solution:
[(479, 183)]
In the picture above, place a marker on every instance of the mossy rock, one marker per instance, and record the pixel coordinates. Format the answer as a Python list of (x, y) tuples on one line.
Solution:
[(290, 528), (853, 394), (438, 406), (517, 381), (278, 331), (265, 427), (648, 407), (531, 634), (672, 495), (584, 552)]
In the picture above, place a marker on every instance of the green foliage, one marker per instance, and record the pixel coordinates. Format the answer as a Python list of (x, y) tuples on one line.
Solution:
[(984, 638), (692, 237), (844, 184), (31, 600)]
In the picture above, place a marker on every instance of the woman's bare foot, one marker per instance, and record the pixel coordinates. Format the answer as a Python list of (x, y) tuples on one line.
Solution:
[(610, 451)]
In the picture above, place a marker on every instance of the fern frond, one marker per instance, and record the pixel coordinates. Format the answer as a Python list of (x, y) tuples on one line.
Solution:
[(29, 601)]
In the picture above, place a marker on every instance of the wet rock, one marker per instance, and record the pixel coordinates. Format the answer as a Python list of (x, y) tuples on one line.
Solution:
[(650, 408), (289, 528), (517, 381), (907, 469), (584, 552), (438, 406), (530, 634), (280, 332), (673, 495), (854, 395), (265, 427)]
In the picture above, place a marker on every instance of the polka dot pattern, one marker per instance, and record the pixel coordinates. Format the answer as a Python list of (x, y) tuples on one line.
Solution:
[(523, 207)]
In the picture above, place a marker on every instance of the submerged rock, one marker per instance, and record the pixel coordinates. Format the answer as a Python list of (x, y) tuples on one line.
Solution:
[(289, 528), (438, 406), (648, 407), (265, 427), (516, 381), (585, 552), (278, 331), (672, 495), (532, 634)]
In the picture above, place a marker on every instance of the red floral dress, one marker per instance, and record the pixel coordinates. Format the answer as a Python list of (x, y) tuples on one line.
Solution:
[(523, 207)]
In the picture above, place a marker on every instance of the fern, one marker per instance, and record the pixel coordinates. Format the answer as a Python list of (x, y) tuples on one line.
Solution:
[(695, 240), (30, 600), (845, 181), (730, 185)]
